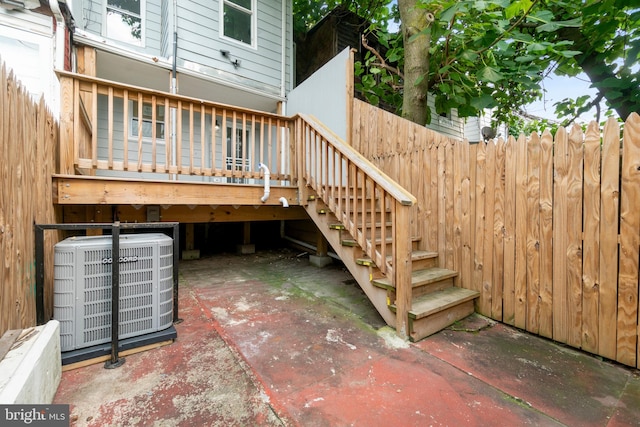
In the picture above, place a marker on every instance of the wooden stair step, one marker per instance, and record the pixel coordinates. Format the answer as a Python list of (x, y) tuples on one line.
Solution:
[(378, 241), (420, 277), (435, 302), (415, 256)]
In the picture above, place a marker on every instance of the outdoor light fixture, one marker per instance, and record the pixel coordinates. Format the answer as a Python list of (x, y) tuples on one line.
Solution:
[(226, 54)]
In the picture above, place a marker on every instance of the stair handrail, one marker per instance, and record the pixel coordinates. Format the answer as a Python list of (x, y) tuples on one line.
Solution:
[(394, 189), (320, 157)]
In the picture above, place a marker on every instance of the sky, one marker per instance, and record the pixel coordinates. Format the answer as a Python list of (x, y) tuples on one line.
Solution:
[(558, 88)]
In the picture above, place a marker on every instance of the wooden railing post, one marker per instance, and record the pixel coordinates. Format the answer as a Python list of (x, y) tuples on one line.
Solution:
[(67, 140), (402, 266), (299, 136)]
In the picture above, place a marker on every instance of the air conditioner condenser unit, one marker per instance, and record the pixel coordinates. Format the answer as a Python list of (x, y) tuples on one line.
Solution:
[(82, 288)]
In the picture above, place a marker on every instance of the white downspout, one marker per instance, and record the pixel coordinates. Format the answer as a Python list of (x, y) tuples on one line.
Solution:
[(58, 54), (58, 60), (283, 59), (267, 176), (174, 87)]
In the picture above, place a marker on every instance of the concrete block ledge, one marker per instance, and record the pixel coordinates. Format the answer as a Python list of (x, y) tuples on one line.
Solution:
[(31, 370)]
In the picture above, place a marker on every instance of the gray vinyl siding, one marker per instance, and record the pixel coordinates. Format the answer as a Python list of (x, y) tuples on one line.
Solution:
[(92, 21), (167, 28), (203, 46), (452, 125), (200, 41)]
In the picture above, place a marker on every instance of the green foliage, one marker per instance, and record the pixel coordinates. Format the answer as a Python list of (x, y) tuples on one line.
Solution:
[(495, 54)]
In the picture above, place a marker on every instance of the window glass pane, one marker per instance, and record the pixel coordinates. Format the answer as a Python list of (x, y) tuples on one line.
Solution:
[(124, 27), (147, 120), (146, 129), (132, 6), (244, 3), (237, 24)]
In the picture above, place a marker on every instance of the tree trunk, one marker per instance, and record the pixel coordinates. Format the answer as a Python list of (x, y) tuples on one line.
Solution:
[(416, 60)]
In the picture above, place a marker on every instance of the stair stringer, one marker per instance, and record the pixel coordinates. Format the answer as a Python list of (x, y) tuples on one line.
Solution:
[(348, 256)]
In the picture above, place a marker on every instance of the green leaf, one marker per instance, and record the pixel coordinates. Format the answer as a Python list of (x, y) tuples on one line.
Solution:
[(526, 58), (482, 102), (542, 15), (467, 111), (489, 74), (537, 48), (569, 53), (555, 26), (469, 55), (516, 8)]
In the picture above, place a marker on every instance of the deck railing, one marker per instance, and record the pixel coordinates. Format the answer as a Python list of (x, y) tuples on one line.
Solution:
[(373, 208), (109, 126)]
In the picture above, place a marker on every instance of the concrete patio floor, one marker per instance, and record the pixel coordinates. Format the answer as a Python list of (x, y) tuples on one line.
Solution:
[(267, 339)]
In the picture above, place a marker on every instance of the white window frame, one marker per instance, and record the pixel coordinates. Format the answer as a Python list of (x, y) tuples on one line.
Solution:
[(105, 9), (133, 117), (254, 22)]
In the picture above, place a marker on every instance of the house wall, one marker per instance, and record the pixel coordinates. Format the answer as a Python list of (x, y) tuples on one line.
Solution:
[(26, 44), (324, 94), (451, 125), (473, 127), (200, 41)]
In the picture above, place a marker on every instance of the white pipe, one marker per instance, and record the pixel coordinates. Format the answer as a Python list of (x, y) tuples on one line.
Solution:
[(267, 176), (284, 201), (283, 58), (174, 89)]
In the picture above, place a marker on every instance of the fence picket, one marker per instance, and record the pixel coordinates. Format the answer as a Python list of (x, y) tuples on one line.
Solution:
[(609, 213), (498, 233), (591, 231), (490, 191), (627, 352), (574, 235), (533, 233), (520, 273), (509, 294), (546, 236), (560, 243), (480, 220)]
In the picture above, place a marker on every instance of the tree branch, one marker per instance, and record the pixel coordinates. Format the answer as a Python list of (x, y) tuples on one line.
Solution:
[(595, 102), (382, 63), (514, 25)]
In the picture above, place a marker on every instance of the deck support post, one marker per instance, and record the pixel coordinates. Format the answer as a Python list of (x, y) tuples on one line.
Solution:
[(189, 249), (321, 258), (246, 247)]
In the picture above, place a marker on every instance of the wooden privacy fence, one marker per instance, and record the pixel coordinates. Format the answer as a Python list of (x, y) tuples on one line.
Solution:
[(547, 229), (28, 142)]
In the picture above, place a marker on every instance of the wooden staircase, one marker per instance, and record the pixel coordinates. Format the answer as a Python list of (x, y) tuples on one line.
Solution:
[(367, 219), (436, 300)]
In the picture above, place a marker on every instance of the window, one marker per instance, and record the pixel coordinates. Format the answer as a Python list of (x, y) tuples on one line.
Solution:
[(124, 21), (147, 120), (238, 19)]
